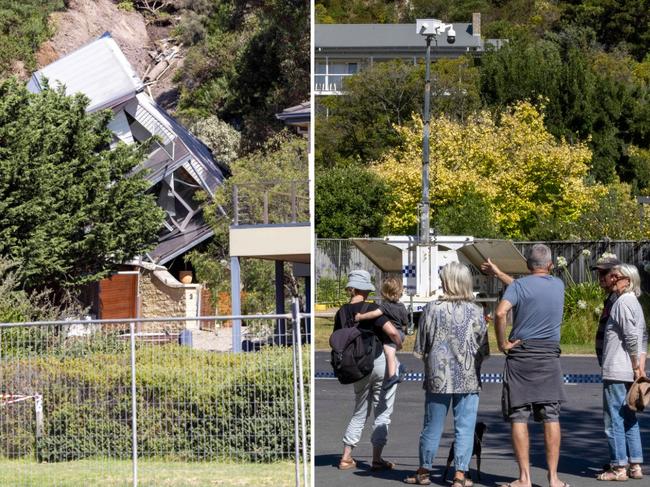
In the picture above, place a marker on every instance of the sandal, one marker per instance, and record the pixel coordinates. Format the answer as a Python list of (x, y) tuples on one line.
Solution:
[(382, 465), (420, 478), (635, 472), (613, 474), (347, 464), (464, 482)]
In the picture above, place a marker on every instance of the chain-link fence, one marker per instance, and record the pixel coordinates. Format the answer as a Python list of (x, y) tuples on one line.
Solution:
[(334, 258), (97, 403)]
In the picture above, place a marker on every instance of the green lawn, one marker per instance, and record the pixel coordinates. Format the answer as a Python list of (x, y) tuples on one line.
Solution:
[(110, 473)]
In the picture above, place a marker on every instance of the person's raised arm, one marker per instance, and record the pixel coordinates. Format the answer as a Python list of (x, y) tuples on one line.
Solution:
[(491, 269)]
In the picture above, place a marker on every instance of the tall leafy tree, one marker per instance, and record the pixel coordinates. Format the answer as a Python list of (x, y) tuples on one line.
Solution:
[(519, 171), (360, 124), (587, 94), (351, 201), (620, 24), (71, 209)]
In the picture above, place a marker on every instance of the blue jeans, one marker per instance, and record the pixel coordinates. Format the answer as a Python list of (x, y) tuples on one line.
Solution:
[(621, 425), (436, 406)]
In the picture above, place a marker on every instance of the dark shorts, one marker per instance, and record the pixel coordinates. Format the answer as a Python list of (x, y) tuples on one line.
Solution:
[(390, 343), (543, 412)]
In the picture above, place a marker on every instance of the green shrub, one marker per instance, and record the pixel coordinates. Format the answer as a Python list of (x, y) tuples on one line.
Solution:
[(191, 405), (23, 27), (126, 5), (583, 303), (331, 291)]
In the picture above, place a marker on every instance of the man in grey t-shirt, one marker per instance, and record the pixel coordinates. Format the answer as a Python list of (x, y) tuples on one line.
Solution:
[(533, 376)]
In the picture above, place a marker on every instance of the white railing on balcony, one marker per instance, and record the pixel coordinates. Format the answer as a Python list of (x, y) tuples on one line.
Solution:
[(329, 84)]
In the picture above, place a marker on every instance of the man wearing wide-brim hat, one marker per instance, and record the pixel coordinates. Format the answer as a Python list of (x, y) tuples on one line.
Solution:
[(604, 266)]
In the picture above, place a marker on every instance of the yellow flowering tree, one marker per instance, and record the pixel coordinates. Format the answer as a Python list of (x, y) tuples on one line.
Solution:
[(522, 173)]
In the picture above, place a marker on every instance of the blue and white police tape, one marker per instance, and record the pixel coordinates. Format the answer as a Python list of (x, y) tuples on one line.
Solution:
[(493, 378)]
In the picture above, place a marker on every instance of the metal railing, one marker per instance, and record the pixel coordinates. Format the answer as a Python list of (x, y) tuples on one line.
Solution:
[(96, 396), (271, 202)]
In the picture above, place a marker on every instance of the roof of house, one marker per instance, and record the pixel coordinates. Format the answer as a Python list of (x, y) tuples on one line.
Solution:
[(296, 114), (386, 36), (189, 148), (99, 70), (177, 243)]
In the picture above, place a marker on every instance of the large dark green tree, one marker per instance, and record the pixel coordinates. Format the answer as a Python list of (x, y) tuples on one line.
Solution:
[(617, 24), (71, 209), (351, 201), (587, 94)]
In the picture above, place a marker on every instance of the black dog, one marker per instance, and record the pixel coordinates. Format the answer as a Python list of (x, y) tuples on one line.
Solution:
[(479, 430)]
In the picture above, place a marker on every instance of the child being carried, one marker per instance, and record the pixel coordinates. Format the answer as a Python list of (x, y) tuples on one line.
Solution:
[(395, 311)]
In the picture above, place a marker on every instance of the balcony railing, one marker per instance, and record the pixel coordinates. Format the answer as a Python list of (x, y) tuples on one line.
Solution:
[(271, 203), (329, 84)]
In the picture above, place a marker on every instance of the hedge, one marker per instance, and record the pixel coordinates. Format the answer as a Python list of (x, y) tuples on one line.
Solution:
[(191, 405)]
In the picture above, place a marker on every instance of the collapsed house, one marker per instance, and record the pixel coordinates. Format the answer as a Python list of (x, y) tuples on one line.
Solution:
[(178, 166)]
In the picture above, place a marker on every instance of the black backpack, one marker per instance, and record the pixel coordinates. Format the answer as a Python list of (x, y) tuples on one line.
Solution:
[(353, 349)]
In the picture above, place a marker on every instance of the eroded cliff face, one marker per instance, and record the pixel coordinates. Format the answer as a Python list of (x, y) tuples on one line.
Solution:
[(144, 43), (85, 20)]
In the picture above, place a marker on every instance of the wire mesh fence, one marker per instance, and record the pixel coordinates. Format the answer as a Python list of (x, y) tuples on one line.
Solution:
[(76, 397)]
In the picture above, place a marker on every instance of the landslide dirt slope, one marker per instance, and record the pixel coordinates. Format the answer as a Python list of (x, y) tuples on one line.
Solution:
[(86, 20)]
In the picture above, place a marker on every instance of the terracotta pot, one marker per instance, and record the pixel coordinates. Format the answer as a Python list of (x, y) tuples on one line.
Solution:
[(185, 277)]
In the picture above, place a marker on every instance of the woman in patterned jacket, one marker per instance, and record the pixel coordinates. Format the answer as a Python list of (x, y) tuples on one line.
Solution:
[(452, 341)]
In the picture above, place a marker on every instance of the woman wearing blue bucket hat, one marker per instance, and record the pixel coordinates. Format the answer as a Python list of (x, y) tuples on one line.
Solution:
[(368, 392)]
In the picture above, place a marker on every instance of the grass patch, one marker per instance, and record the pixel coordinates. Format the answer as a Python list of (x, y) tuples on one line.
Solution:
[(109, 473)]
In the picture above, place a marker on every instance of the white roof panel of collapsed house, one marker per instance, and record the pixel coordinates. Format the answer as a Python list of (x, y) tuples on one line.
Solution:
[(99, 70)]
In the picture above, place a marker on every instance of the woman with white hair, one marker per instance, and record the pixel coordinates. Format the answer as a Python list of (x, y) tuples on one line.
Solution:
[(624, 355), (452, 341)]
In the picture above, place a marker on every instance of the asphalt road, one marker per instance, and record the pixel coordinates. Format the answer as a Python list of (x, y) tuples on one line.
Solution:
[(583, 451)]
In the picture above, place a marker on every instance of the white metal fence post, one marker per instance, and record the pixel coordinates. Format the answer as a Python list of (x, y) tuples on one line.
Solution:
[(134, 404), (297, 343), (296, 433)]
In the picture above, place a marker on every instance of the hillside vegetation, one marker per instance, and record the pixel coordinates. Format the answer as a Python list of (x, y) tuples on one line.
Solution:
[(582, 67)]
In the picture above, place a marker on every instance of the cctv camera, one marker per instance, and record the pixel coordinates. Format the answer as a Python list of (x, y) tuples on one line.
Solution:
[(451, 36)]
